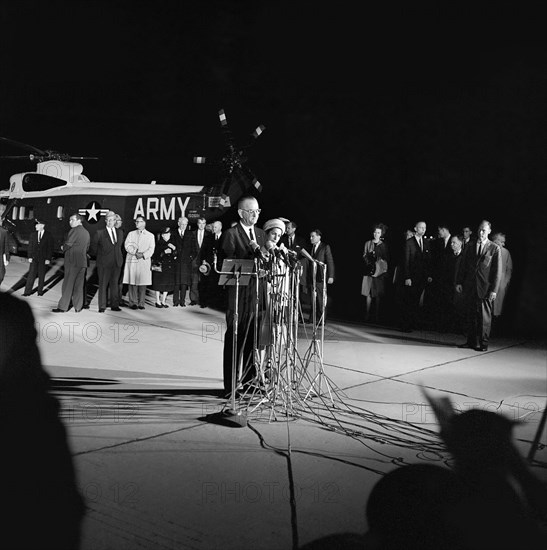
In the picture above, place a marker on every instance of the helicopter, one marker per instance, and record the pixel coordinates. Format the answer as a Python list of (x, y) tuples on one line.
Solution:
[(58, 188)]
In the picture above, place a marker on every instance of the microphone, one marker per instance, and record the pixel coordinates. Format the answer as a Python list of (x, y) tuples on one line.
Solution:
[(257, 253), (307, 255), (274, 250), (287, 251)]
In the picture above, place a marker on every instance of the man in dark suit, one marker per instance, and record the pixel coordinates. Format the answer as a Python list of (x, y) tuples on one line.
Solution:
[(467, 237), (242, 241), (183, 269), (121, 232), (107, 248), (4, 253), (457, 311), (480, 279), (322, 255), (416, 275), (201, 245), (442, 287), (40, 252), (290, 239), (75, 249), (216, 295)]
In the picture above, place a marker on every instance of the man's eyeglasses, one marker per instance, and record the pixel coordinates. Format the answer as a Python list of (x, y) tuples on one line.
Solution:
[(257, 211)]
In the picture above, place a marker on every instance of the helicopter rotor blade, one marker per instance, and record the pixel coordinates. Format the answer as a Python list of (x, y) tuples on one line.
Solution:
[(82, 158), (233, 163), (258, 131), (17, 157), (22, 145), (222, 118)]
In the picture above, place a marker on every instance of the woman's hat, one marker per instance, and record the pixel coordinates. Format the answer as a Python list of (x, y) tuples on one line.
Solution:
[(274, 223), (166, 230)]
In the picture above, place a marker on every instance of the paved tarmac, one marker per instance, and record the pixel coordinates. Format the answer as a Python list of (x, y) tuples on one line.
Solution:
[(139, 392)]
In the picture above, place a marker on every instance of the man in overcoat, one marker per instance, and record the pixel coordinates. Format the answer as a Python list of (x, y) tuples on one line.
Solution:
[(140, 245)]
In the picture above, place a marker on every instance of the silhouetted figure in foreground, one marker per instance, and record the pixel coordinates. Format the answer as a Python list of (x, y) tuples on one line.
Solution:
[(504, 506), (43, 509), (412, 507), (489, 500)]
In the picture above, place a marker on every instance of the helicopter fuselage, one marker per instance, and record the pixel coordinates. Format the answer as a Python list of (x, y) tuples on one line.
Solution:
[(59, 189)]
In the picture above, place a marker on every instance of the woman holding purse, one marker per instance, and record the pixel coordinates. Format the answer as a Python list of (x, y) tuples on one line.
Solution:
[(375, 256), (163, 268)]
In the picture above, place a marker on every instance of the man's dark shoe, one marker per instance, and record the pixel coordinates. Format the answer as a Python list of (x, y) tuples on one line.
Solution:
[(134, 306), (466, 345), (40, 293), (101, 310), (115, 309), (141, 307), (26, 294), (57, 310), (481, 348), (193, 303)]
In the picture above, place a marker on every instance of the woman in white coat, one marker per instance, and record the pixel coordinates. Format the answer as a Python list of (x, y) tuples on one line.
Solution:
[(139, 245)]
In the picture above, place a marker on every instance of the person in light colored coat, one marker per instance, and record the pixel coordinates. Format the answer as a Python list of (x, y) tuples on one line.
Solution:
[(139, 245)]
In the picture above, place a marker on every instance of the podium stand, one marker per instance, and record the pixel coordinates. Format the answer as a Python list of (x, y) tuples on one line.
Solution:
[(235, 272)]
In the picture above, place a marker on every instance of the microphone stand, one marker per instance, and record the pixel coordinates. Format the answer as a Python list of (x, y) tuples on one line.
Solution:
[(315, 349)]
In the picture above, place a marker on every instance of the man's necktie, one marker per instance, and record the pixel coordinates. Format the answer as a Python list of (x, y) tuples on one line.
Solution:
[(421, 245), (39, 236), (113, 235), (479, 249), (251, 234)]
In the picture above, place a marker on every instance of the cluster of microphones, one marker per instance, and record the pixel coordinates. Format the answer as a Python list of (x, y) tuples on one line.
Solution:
[(281, 252)]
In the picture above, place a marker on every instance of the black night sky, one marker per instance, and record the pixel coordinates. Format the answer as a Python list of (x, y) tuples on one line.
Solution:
[(395, 113)]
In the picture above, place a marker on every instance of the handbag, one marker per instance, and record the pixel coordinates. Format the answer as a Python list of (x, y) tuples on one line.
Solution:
[(369, 264), (156, 267), (380, 267)]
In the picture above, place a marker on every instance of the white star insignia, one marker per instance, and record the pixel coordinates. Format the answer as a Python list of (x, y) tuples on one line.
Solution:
[(92, 212)]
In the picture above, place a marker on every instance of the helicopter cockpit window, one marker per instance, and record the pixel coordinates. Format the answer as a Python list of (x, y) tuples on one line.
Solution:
[(60, 212), (41, 182), (14, 212)]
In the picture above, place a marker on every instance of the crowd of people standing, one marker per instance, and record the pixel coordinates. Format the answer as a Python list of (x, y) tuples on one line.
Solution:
[(445, 282), (453, 283)]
